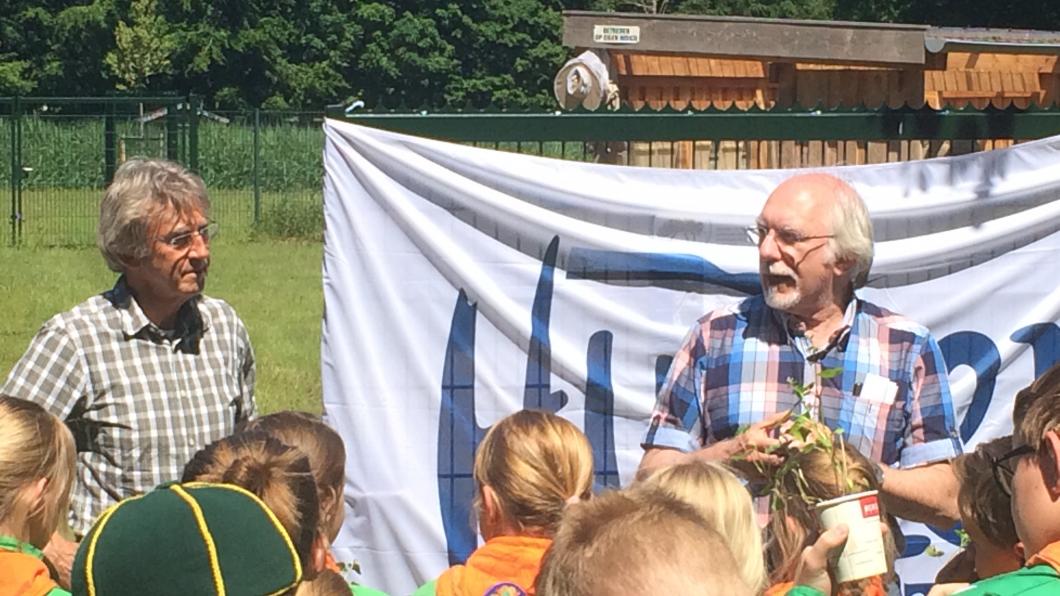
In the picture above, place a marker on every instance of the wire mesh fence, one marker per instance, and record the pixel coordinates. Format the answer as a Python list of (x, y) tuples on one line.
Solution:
[(264, 169)]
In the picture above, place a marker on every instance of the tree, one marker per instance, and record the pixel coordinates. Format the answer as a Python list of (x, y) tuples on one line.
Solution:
[(142, 48)]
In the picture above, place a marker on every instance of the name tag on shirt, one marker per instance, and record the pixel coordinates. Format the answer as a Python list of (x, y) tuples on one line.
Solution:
[(878, 389)]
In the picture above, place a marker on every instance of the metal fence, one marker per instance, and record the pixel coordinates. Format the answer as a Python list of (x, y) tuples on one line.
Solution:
[(264, 168)]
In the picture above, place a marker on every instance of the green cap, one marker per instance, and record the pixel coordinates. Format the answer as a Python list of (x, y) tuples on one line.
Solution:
[(191, 538)]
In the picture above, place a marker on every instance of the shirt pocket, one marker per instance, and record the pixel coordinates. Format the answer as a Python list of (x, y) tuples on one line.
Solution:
[(878, 416)]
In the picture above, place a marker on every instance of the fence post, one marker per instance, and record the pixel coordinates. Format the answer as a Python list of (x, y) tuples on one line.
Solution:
[(173, 130), (257, 166), (15, 170), (195, 104), (110, 143)]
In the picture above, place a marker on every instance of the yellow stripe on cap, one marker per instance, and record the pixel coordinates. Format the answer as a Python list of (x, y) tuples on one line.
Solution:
[(272, 517), (91, 554), (211, 549)]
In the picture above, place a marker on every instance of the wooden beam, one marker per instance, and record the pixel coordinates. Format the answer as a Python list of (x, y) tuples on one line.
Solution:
[(773, 39)]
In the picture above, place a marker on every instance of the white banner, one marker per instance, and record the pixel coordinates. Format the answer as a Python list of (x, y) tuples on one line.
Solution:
[(462, 284)]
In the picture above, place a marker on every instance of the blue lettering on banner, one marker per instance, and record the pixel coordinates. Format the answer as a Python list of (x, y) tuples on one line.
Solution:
[(979, 352), (459, 433)]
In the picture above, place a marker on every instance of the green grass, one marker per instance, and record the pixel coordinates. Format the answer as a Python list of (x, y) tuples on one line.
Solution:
[(274, 286)]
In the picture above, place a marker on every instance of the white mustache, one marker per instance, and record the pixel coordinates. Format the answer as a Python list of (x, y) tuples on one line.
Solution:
[(780, 269)]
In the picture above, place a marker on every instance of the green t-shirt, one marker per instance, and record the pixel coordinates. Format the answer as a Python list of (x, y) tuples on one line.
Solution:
[(1038, 580)]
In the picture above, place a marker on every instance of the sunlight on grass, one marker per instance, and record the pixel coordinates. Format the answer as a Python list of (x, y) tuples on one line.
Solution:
[(273, 285)]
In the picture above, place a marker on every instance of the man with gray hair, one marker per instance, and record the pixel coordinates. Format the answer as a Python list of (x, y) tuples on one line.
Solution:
[(149, 372), (890, 396)]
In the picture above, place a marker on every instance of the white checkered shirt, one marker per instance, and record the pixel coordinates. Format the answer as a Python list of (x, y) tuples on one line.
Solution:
[(139, 401)]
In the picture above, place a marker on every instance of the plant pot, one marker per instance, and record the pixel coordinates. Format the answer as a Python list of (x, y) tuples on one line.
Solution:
[(864, 554)]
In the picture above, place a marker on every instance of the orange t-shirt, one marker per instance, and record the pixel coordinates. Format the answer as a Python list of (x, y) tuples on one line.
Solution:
[(515, 559), (22, 573)]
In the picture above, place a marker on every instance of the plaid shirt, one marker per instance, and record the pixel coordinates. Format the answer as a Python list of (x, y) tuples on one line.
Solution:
[(140, 401), (892, 398)]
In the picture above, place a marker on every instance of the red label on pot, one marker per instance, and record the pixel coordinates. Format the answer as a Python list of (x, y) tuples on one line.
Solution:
[(869, 506)]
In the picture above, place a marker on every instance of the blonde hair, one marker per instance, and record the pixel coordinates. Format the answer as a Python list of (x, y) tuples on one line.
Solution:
[(637, 542), (534, 462), (35, 445), (327, 458), (278, 474), (720, 497), (795, 525), (140, 190)]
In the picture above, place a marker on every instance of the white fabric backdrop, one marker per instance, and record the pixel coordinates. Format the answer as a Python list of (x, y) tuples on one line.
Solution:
[(462, 284)]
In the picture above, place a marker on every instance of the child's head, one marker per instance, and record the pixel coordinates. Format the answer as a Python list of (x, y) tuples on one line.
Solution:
[(1032, 472), (528, 466), (191, 538), (637, 542), (986, 511), (277, 474), (327, 458), (795, 525), (720, 497), (37, 456)]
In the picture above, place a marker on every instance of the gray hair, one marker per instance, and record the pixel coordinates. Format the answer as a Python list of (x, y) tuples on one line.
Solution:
[(852, 230), (140, 190)]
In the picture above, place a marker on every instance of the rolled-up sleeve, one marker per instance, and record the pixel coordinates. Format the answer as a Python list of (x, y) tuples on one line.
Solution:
[(677, 419), (932, 433)]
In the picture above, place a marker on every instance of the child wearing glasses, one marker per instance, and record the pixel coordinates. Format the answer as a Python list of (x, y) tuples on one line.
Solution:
[(1030, 473)]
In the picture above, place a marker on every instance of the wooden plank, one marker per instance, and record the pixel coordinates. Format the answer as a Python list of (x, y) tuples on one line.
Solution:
[(686, 153), (694, 80), (787, 86), (788, 154), (814, 154), (806, 41), (894, 151), (727, 155), (1000, 62), (876, 152), (917, 149), (831, 153)]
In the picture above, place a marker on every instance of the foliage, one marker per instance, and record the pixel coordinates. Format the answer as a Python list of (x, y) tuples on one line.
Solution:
[(805, 434), (280, 54), (142, 48)]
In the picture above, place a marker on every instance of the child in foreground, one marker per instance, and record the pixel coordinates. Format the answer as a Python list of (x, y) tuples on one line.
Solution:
[(986, 514), (638, 542), (720, 497), (793, 527), (1030, 473), (276, 473), (528, 468), (36, 471), (327, 459)]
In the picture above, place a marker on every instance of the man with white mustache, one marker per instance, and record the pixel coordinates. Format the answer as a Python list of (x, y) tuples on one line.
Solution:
[(890, 397)]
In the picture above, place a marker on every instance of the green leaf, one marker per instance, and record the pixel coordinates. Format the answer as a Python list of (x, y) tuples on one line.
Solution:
[(932, 551), (829, 373)]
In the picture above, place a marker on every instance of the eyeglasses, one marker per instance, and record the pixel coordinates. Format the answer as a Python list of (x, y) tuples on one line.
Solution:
[(1003, 472), (184, 240), (757, 234)]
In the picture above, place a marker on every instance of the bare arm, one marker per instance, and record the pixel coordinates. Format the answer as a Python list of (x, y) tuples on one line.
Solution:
[(60, 553), (925, 494), (750, 443)]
